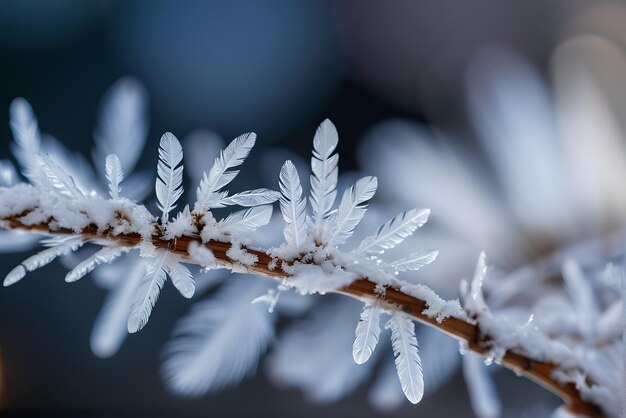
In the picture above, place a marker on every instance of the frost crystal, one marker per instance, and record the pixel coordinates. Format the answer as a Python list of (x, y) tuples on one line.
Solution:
[(324, 251), (366, 334), (320, 265), (58, 201), (408, 362), (239, 255), (169, 184)]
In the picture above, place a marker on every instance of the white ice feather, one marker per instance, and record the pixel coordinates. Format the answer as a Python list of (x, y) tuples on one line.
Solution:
[(405, 351), (292, 205), (366, 334), (219, 342), (246, 220), (110, 328), (415, 261), (58, 177), (169, 183), (475, 300), (147, 293), (351, 209), (102, 256), (323, 172), (394, 231), (27, 138), (254, 197), (482, 391), (62, 247), (122, 124), (232, 156), (114, 175), (180, 275)]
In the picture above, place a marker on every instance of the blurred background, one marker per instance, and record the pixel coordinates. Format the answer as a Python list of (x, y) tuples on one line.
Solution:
[(425, 88)]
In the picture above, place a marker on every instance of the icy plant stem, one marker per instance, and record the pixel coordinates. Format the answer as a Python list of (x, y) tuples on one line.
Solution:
[(363, 289)]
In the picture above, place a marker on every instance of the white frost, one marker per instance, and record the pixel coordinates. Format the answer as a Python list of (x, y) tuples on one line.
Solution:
[(239, 255)]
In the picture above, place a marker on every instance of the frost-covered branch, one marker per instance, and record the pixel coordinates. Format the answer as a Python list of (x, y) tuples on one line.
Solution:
[(414, 300), (312, 259)]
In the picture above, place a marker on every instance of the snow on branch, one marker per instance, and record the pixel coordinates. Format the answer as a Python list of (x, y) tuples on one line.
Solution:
[(311, 260)]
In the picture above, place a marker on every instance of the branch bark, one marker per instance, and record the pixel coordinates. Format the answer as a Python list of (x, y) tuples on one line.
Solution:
[(363, 289)]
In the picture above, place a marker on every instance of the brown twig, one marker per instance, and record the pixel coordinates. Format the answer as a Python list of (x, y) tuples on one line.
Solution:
[(537, 371)]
